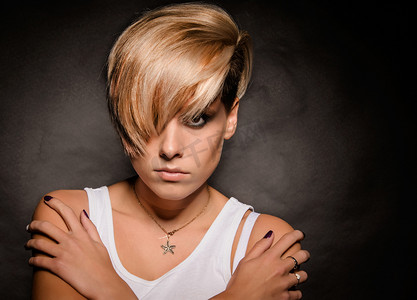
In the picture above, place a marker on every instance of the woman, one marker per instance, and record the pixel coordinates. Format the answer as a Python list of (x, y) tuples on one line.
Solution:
[(175, 80)]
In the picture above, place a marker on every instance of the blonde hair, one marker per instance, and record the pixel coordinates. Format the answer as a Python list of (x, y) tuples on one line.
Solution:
[(177, 56)]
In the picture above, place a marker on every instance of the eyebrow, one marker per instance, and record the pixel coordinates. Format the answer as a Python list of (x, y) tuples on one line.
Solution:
[(210, 107), (210, 110)]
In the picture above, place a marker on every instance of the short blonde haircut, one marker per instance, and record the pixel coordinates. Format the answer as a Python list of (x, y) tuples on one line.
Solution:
[(174, 57)]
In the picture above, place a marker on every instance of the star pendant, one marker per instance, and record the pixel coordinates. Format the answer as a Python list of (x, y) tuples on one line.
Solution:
[(168, 248)]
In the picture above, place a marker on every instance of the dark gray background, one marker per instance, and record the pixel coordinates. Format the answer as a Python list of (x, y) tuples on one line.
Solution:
[(325, 137)]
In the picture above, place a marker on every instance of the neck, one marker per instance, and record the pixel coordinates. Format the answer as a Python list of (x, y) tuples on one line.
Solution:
[(168, 210)]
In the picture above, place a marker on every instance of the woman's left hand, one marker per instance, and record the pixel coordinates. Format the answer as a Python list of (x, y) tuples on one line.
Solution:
[(78, 256)]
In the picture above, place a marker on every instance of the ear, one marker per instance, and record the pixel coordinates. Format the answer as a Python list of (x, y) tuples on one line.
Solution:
[(231, 122)]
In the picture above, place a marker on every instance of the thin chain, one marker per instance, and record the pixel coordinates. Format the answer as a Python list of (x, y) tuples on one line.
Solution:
[(171, 233)]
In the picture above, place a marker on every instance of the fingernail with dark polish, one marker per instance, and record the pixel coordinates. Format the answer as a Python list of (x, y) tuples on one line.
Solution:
[(85, 213), (304, 234), (268, 234), (47, 198)]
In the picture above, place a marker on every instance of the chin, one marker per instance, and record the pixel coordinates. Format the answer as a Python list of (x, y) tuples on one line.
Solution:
[(174, 191)]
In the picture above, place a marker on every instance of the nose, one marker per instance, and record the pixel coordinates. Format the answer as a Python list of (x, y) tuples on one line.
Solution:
[(171, 141)]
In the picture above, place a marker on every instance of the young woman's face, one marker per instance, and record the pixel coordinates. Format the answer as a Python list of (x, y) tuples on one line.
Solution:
[(179, 160)]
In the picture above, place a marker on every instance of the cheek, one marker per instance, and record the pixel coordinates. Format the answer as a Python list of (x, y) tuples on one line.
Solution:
[(143, 165), (216, 145), (149, 161), (138, 164), (205, 152)]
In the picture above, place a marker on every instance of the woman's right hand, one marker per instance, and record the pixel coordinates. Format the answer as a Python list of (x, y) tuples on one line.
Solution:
[(76, 255), (266, 272)]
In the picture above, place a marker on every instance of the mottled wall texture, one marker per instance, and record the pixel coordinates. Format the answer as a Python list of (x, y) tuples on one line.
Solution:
[(325, 137)]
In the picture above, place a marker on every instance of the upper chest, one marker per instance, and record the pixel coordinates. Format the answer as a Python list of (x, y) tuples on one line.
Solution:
[(145, 251)]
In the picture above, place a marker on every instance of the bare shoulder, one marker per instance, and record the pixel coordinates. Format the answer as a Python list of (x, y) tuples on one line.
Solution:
[(47, 285), (76, 199), (265, 223)]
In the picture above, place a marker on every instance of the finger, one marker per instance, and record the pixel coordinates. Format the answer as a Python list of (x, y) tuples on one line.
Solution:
[(294, 261), (43, 262), (295, 295), (43, 245), (48, 229), (90, 227), (261, 246), (293, 281), (286, 241), (66, 213)]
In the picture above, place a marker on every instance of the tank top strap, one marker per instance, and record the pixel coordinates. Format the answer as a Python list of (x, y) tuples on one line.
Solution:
[(100, 208), (244, 238)]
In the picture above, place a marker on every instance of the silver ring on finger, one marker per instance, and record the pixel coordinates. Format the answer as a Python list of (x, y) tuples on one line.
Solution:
[(298, 276), (296, 265)]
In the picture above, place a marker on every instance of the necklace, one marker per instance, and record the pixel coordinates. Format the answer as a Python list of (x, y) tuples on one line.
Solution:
[(168, 247)]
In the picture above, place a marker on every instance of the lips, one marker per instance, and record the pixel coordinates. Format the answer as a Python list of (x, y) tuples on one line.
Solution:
[(171, 170), (171, 174)]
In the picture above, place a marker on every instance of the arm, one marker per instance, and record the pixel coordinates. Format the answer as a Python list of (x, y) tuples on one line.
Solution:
[(69, 258)]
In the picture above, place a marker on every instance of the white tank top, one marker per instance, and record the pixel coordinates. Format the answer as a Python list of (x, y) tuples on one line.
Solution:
[(203, 274)]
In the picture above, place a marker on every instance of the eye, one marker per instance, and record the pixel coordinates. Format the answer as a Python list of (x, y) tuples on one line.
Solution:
[(198, 121)]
